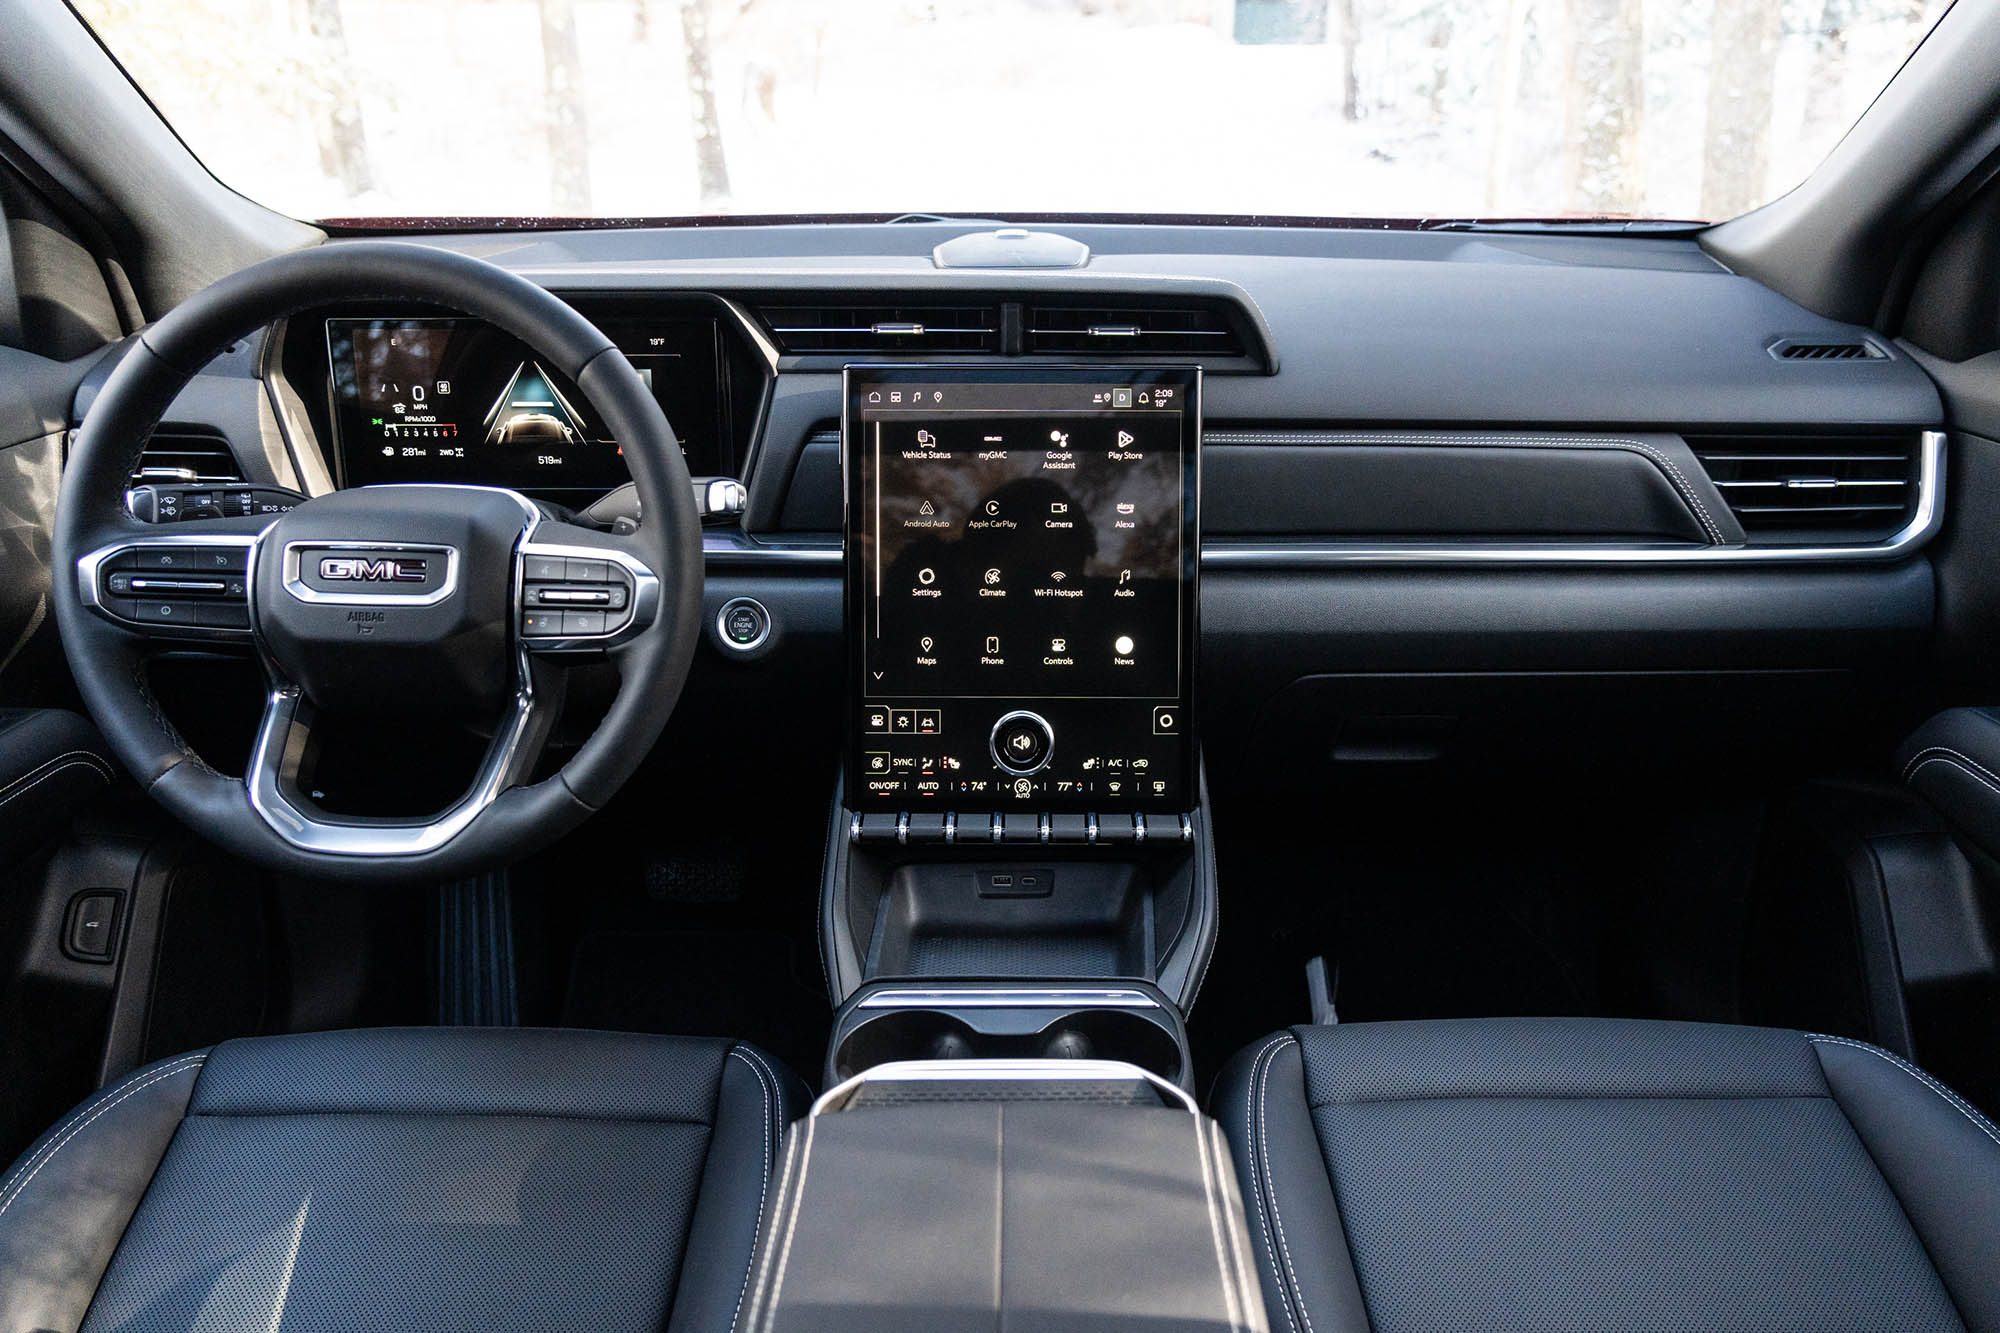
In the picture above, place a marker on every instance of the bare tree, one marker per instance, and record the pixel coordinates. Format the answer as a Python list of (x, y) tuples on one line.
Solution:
[(1742, 70), (343, 139), (1824, 100), (562, 97), (1604, 105), (1350, 46), (710, 164), (1506, 104)]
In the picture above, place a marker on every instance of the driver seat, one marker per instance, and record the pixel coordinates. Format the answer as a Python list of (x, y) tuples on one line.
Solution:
[(433, 1178)]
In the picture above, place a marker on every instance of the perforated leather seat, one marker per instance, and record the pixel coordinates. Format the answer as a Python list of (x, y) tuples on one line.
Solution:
[(1605, 1175), (403, 1179)]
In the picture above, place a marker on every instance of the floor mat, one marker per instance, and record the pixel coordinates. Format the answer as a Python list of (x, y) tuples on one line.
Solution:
[(746, 984)]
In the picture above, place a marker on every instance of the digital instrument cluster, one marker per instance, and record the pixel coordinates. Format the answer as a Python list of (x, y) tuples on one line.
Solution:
[(458, 400), (1021, 568)]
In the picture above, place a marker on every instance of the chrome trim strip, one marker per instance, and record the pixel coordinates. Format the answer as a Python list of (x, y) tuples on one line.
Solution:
[(296, 585), (1038, 997), (1001, 1071)]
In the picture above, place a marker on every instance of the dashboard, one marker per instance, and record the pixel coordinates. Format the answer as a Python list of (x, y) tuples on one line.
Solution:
[(1457, 494), (1021, 585)]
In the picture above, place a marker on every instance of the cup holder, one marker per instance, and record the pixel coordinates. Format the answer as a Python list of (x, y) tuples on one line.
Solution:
[(1148, 1037)]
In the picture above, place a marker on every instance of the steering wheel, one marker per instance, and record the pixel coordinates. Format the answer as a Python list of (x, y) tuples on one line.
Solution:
[(384, 602)]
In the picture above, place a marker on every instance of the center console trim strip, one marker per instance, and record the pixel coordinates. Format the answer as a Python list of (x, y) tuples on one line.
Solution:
[(997, 997), (1002, 1071)]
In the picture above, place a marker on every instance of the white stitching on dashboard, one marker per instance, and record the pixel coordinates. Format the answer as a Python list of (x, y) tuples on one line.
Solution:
[(48, 1154), (764, 1188), (1979, 1122), (1944, 754), (1681, 485)]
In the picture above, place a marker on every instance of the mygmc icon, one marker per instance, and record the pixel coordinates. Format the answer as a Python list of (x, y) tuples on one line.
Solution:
[(362, 569)]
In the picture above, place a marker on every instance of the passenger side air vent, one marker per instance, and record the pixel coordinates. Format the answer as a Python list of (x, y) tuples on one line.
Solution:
[(186, 454), (858, 329), (1791, 488), (1844, 349), (1191, 331)]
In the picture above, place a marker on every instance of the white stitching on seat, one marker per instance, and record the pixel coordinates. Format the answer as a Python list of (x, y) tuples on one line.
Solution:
[(1267, 1201), (764, 1268), (48, 1154), (791, 1225), (1979, 1122), (1675, 477), (1271, 1184), (76, 759), (1232, 1303), (1240, 1263), (763, 1189), (1944, 754)]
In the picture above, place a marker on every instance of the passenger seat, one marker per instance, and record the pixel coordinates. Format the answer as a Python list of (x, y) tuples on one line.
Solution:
[(1609, 1175)]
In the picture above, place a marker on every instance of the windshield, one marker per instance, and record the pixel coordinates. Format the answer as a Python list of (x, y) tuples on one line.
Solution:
[(527, 109)]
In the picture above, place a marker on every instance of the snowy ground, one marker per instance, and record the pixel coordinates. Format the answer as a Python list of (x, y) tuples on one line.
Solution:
[(898, 105)]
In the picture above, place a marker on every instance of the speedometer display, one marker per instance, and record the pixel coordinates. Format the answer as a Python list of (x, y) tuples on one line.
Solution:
[(457, 400)]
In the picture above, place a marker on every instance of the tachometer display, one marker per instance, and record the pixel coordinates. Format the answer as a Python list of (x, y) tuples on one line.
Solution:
[(457, 400)]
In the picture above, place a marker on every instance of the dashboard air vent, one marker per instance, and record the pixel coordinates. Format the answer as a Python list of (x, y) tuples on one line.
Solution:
[(1182, 331), (846, 329), (1844, 349), (1814, 487), (186, 454)]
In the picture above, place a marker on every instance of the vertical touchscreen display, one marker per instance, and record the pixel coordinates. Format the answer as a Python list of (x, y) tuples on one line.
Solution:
[(1021, 568)]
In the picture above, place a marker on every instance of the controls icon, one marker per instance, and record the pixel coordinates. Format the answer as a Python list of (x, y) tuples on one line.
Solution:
[(1058, 645)]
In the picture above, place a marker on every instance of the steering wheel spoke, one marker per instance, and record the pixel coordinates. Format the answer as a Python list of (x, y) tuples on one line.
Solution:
[(284, 753), (182, 587), (581, 591)]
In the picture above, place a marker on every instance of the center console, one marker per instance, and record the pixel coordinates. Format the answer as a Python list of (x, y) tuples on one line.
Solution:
[(1021, 800)]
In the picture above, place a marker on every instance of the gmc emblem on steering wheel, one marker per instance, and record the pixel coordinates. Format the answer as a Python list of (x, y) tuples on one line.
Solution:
[(360, 569)]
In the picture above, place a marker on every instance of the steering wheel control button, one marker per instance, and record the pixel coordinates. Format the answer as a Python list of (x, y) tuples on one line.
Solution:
[(574, 597), (743, 624), (1022, 743), (544, 568)]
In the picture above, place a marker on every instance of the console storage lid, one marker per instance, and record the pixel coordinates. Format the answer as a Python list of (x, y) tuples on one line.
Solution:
[(1030, 1195)]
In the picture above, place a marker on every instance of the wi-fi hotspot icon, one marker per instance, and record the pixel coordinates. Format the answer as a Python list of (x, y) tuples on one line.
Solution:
[(1058, 576)]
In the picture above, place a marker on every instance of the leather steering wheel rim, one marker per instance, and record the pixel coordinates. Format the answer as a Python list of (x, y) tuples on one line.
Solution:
[(108, 661)]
